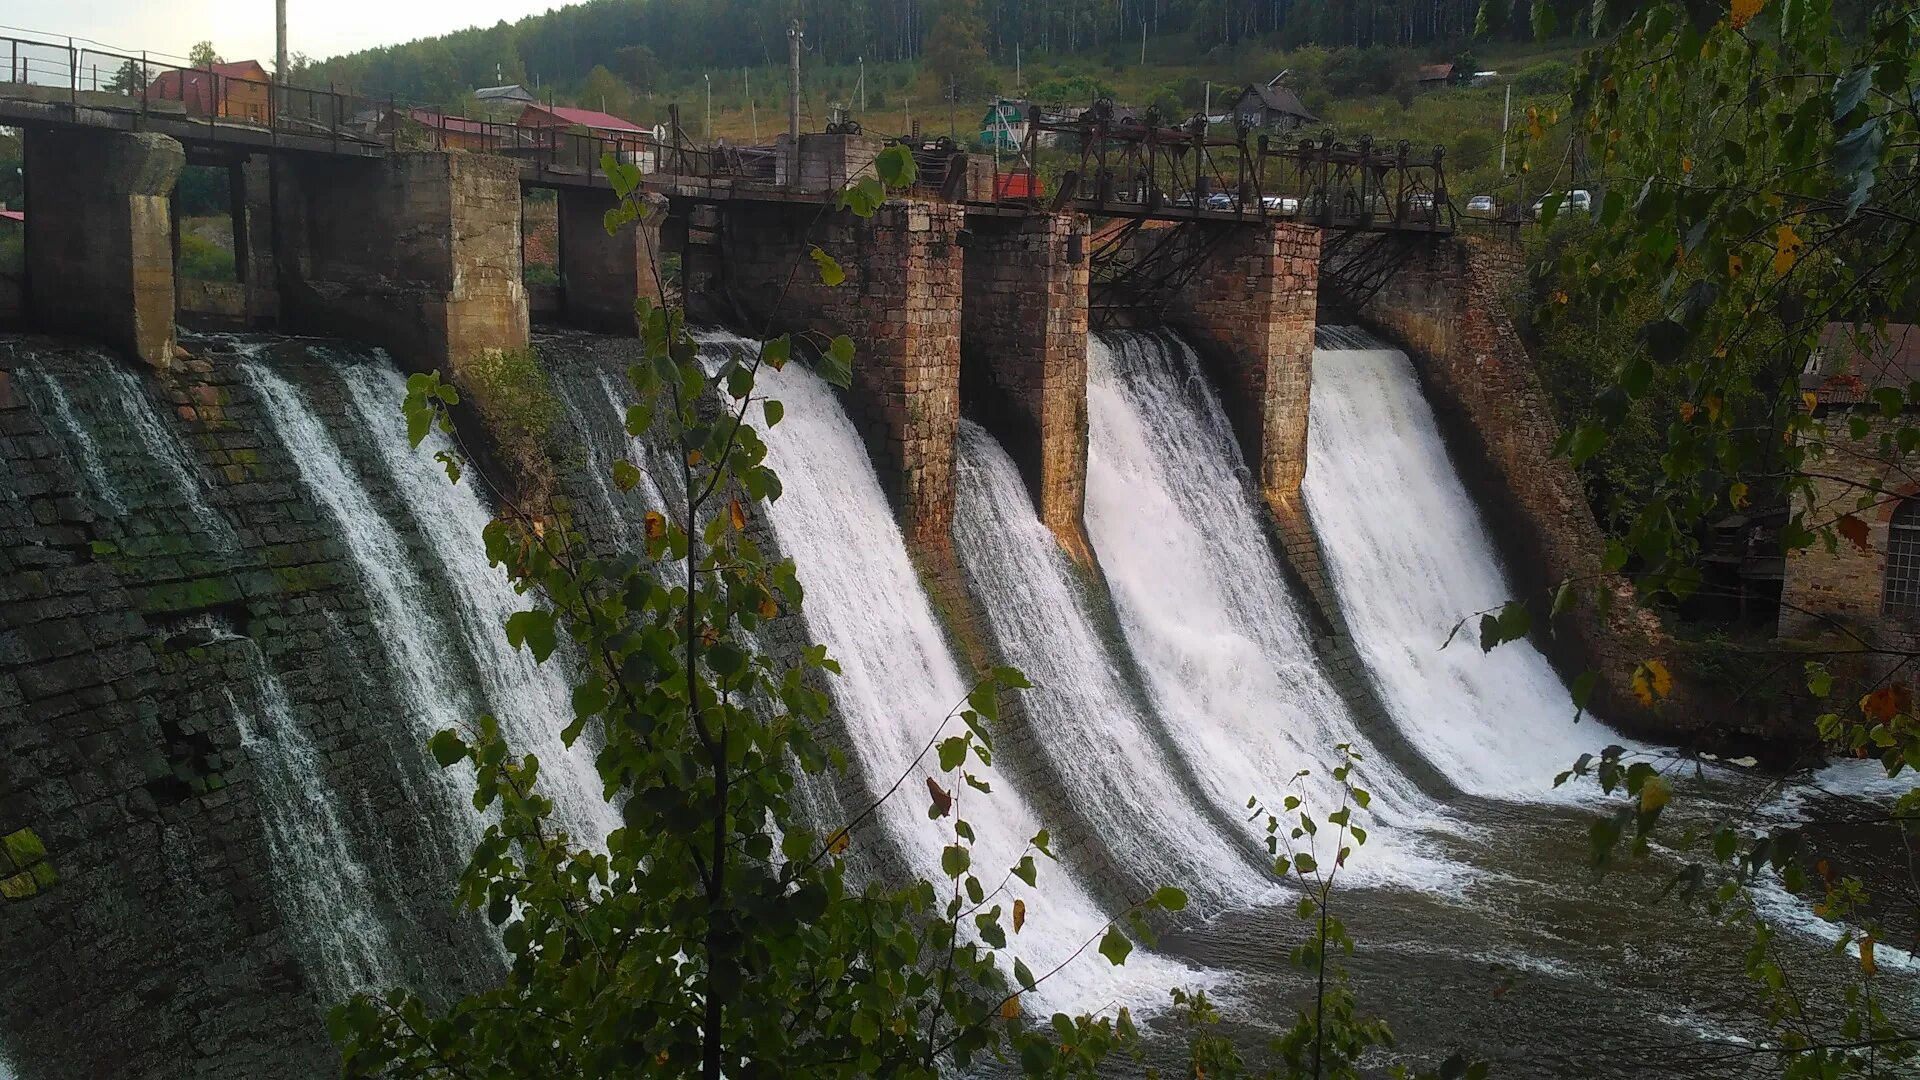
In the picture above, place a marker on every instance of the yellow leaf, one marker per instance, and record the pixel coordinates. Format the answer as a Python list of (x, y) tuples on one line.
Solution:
[(1786, 250), (1734, 263), (1686, 165), (1810, 399), (1651, 681), (838, 845), (737, 515), (1010, 1008), (1744, 11), (1867, 966), (1713, 407), (1534, 130), (694, 457), (656, 525), (1855, 532), (1886, 703), (1560, 297), (1687, 409), (1654, 794), (1737, 494), (768, 609), (1019, 915)]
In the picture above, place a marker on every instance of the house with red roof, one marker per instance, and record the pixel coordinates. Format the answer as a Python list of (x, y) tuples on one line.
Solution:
[(566, 116), (239, 90)]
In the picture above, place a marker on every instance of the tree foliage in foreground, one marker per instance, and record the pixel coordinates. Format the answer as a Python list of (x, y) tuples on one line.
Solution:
[(1756, 169), (718, 932)]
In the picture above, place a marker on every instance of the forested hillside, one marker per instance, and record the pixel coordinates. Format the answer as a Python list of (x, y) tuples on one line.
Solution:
[(646, 42)]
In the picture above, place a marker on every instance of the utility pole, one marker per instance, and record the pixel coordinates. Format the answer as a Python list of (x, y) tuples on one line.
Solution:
[(709, 79), (280, 42), (1143, 42), (794, 37), (1016, 67), (1505, 118), (863, 86), (953, 92), (753, 114)]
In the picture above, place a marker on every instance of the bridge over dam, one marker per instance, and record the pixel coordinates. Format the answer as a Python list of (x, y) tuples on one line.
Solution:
[(404, 228)]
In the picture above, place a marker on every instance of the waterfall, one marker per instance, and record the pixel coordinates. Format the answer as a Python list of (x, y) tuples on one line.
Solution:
[(1102, 746), (326, 893), (533, 702), (1409, 556), (1200, 593), (164, 449), (898, 680), (415, 643), (50, 400)]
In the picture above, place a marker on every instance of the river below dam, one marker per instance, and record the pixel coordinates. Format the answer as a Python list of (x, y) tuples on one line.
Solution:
[(277, 601)]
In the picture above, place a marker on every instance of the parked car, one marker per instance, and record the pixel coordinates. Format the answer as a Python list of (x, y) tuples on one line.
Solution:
[(1481, 204), (1280, 204), (1419, 205), (1220, 200), (1577, 199)]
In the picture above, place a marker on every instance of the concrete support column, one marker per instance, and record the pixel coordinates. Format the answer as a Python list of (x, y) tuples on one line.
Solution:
[(1250, 307), (1024, 347), (602, 275), (253, 240), (100, 237), (900, 304), (418, 252)]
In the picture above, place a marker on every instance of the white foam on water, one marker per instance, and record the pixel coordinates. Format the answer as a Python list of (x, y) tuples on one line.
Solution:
[(1206, 610), (49, 397), (865, 604), (1409, 557), (1101, 747), (165, 449)]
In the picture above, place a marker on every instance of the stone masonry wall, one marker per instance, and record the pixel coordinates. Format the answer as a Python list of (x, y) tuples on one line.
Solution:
[(1023, 339), (900, 303), (99, 240), (417, 252), (1446, 304), (1249, 309), (602, 275), (139, 618)]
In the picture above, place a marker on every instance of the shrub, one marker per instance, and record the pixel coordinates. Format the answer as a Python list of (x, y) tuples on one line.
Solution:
[(1545, 77), (203, 260), (1072, 90)]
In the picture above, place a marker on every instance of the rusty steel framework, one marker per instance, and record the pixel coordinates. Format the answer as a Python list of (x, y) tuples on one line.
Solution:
[(1136, 167)]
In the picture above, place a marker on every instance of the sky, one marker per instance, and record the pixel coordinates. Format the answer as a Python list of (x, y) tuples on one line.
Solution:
[(243, 29)]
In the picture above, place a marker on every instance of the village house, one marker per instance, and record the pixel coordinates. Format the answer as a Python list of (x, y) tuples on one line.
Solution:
[(582, 134), (1870, 585), (1272, 107), (239, 91), (1436, 76)]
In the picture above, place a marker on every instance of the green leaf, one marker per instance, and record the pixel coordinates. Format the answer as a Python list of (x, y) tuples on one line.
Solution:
[(953, 751), (1025, 870), (1115, 946), (1022, 975), (1169, 898), (773, 411), (895, 167), (954, 860), (830, 272), (625, 475), (447, 747), (1582, 690), (1588, 440), (1304, 863), (836, 364), (864, 197)]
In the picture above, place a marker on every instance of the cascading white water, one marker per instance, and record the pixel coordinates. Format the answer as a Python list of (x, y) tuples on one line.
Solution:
[(326, 894), (1409, 557), (50, 399), (898, 680), (1100, 744), (1200, 593), (532, 701), (415, 642), (164, 449)]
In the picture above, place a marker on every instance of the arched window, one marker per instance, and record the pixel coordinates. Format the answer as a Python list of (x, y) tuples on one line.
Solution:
[(1902, 597)]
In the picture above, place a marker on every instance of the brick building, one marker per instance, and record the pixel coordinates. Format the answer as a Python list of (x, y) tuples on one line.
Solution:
[(239, 91), (1870, 585)]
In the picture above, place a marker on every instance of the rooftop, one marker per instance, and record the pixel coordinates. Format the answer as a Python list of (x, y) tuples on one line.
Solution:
[(1853, 360)]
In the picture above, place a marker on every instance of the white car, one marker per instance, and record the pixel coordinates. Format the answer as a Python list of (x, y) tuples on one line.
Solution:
[(1480, 204), (1280, 204), (1577, 199)]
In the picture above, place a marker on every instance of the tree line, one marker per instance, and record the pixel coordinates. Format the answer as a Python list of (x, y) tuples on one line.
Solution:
[(642, 41)]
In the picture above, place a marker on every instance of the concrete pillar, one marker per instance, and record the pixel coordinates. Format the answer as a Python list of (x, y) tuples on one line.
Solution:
[(253, 240), (900, 303), (100, 237), (602, 275), (1023, 341), (418, 252), (1249, 308)]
